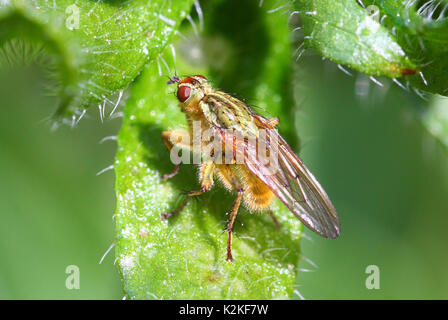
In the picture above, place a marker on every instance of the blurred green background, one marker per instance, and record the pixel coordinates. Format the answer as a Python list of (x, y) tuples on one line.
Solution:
[(385, 174), (54, 210), (388, 180)]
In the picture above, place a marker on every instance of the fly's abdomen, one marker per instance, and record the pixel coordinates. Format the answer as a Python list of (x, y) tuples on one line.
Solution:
[(257, 195)]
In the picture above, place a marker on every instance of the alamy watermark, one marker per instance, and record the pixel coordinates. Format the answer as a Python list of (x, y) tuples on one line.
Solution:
[(373, 278), (72, 21), (72, 280)]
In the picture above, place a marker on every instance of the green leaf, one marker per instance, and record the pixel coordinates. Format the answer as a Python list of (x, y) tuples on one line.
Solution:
[(99, 47), (345, 33), (184, 257), (424, 39)]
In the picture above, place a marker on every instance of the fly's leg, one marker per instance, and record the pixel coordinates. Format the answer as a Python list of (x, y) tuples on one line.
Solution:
[(232, 218), (277, 224), (180, 139), (206, 178), (231, 182), (167, 176), (190, 194)]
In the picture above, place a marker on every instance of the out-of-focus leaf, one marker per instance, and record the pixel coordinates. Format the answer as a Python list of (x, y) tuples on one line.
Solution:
[(184, 258), (424, 38), (435, 118), (345, 33), (99, 47)]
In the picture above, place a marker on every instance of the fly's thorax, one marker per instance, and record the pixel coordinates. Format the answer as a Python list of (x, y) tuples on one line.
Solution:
[(226, 112)]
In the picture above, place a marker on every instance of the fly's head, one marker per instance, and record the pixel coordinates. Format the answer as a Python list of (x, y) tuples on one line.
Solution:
[(190, 90)]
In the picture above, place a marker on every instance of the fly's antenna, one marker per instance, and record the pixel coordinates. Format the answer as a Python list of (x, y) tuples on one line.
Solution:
[(173, 79)]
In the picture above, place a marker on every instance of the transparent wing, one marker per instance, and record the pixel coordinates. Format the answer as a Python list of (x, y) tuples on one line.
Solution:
[(288, 178)]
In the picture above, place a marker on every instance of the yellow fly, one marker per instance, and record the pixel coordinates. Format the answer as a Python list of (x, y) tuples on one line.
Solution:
[(256, 179)]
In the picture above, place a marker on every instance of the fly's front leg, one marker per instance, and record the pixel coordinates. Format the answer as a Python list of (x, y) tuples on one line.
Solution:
[(206, 178), (179, 138), (175, 171)]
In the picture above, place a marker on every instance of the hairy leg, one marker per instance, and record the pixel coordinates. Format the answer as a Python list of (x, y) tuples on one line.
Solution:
[(206, 178), (231, 181)]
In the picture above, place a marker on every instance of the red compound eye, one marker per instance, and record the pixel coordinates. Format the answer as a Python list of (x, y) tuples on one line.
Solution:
[(183, 93)]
